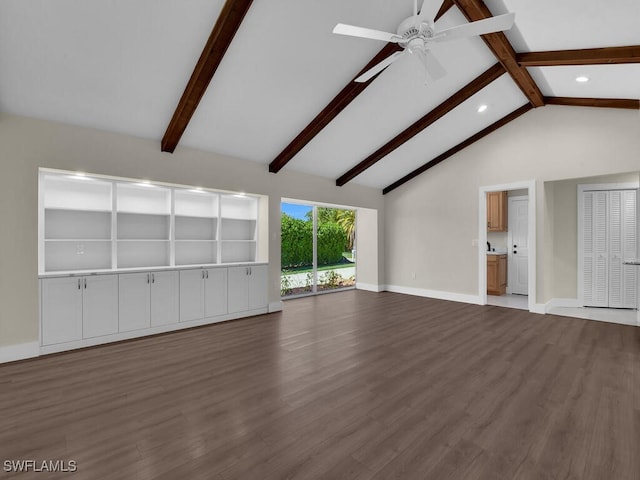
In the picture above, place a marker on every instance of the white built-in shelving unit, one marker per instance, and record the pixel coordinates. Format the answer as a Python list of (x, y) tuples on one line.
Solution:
[(143, 225), (94, 223), (77, 218), (239, 216), (196, 227)]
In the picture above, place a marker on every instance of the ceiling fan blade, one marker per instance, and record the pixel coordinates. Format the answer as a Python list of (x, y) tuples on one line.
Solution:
[(481, 27), (353, 31), (429, 10), (433, 68), (373, 71)]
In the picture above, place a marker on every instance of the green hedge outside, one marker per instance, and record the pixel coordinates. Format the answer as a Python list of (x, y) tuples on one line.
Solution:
[(297, 242)]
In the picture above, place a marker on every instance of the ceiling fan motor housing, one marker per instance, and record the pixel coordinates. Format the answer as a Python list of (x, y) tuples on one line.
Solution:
[(411, 29)]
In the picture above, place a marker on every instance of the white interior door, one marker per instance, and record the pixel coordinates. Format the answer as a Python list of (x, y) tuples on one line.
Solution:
[(518, 246)]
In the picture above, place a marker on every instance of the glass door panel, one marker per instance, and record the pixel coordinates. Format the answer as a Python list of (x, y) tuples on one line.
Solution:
[(335, 248), (317, 249)]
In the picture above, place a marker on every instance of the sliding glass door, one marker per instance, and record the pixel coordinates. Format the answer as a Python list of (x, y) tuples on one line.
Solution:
[(318, 249)]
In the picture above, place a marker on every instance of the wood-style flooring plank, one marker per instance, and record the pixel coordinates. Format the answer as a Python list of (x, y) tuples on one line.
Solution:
[(354, 385)]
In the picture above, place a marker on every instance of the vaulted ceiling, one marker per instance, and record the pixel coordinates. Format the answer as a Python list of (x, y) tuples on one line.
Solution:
[(267, 81)]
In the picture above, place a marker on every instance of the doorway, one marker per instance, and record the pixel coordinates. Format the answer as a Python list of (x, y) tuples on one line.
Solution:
[(318, 248), (516, 243)]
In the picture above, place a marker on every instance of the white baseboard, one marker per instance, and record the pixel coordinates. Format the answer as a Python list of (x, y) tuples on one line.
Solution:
[(440, 295), (275, 306), (21, 351), (563, 302), (370, 287), (540, 308)]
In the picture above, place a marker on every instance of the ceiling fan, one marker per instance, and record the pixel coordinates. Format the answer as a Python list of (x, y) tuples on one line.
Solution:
[(416, 33)]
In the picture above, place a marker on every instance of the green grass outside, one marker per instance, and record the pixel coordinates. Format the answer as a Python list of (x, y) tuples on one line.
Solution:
[(322, 268)]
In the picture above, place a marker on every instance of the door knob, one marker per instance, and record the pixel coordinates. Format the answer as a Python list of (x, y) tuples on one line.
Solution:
[(514, 252), (515, 246)]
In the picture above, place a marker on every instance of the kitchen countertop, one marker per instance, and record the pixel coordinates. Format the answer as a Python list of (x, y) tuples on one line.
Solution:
[(497, 252)]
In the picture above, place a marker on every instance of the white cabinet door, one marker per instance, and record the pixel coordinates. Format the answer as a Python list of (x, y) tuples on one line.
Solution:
[(215, 292), (258, 297), (61, 310), (164, 298), (133, 299), (238, 286), (99, 305), (191, 295)]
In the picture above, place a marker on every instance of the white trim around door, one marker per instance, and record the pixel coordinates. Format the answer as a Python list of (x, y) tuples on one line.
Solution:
[(530, 186)]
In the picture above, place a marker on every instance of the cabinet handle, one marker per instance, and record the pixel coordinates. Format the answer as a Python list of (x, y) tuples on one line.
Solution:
[(85, 283), (153, 278), (79, 284), (250, 271), (207, 274), (147, 278), (203, 274)]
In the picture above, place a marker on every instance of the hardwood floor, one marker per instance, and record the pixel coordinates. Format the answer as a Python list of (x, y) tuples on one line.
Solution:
[(354, 385)]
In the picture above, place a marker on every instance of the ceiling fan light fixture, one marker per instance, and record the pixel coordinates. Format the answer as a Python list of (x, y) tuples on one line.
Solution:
[(582, 79), (482, 108)]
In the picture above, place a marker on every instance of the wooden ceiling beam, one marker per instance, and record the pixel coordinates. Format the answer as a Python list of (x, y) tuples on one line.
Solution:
[(224, 30), (626, 103), (331, 111), (498, 43), (589, 56), (438, 112), (461, 146), (338, 104)]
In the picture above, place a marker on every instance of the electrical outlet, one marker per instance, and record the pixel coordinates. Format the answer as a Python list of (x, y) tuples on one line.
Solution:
[(80, 249), (474, 242), (413, 275)]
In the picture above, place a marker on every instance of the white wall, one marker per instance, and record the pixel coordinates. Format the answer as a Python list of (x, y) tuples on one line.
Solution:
[(26, 144), (432, 220)]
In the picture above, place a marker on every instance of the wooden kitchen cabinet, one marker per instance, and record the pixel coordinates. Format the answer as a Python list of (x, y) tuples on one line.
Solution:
[(496, 274), (497, 211)]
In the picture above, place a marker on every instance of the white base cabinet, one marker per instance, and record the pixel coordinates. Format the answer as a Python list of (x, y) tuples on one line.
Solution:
[(147, 299), (61, 310), (80, 311), (74, 308), (203, 293), (247, 288)]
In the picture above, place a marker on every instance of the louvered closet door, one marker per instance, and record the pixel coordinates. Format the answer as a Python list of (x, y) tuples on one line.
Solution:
[(595, 249), (609, 237), (630, 248), (622, 240)]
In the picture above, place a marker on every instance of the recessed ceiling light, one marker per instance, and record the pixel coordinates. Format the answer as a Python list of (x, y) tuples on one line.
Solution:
[(482, 108), (582, 79)]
